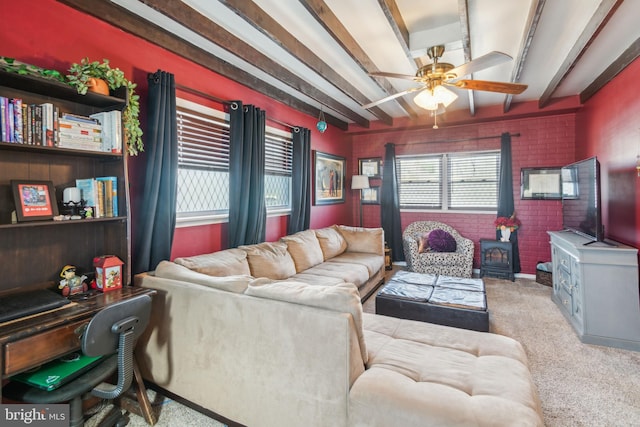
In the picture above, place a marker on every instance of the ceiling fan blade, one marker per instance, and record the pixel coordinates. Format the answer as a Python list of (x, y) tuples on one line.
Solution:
[(491, 59), (510, 88), (390, 97), (393, 75)]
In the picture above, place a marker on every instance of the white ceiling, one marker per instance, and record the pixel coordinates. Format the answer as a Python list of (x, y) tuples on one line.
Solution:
[(558, 29)]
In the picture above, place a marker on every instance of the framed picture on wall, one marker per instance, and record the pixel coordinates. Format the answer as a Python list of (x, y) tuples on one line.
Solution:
[(540, 183), (329, 174), (370, 167), (370, 196), (34, 200)]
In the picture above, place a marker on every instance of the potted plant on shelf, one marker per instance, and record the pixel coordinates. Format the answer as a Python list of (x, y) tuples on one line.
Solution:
[(86, 76), (506, 225)]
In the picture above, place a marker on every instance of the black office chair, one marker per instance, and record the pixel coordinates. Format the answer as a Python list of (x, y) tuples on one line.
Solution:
[(111, 333)]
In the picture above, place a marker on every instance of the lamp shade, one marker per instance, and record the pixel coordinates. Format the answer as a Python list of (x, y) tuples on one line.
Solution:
[(430, 98), (358, 182)]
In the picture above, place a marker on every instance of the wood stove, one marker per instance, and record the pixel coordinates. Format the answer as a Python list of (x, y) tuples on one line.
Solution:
[(496, 259)]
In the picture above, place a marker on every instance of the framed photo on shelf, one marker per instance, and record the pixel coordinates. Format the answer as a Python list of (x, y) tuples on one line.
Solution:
[(540, 183), (370, 196), (329, 174), (370, 167), (34, 200)]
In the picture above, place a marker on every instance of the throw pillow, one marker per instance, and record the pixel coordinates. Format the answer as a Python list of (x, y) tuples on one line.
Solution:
[(305, 249), (223, 263), (331, 242), (441, 241), (367, 240), (270, 259)]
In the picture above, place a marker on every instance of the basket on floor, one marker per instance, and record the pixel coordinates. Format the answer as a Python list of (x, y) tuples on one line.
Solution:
[(544, 277)]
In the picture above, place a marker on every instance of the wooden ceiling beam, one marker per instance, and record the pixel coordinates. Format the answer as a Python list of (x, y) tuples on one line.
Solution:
[(597, 22), (268, 26), (535, 11), (627, 57), (190, 18), (325, 17), (133, 24), (463, 13)]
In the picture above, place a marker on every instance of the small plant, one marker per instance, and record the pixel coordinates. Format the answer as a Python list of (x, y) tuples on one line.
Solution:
[(12, 66), (80, 77), (512, 223)]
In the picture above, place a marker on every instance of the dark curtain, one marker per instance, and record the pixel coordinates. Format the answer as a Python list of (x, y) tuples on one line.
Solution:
[(506, 205), (300, 181), (247, 208), (157, 218), (390, 204)]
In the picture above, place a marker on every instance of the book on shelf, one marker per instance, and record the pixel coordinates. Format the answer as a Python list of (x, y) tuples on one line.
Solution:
[(101, 193), (111, 194), (111, 122), (4, 105)]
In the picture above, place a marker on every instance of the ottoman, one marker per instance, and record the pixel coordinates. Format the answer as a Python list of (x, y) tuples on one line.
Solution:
[(445, 300)]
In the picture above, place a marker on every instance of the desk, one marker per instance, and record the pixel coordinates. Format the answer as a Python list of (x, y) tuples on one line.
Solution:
[(33, 340)]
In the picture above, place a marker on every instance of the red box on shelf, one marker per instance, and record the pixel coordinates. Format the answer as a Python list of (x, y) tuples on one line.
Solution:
[(108, 272)]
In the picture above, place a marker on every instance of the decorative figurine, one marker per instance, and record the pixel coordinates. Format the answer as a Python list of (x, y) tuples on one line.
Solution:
[(72, 284)]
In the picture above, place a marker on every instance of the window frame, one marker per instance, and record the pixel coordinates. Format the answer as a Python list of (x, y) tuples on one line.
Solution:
[(196, 218), (445, 182)]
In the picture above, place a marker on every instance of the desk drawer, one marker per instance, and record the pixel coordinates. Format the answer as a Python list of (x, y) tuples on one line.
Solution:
[(40, 348)]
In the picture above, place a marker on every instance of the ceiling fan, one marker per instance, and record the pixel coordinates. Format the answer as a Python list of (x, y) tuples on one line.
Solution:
[(433, 77)]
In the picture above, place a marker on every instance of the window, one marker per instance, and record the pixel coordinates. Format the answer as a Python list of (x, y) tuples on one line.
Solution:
[(277, 169), (454, 181), (203, 164)]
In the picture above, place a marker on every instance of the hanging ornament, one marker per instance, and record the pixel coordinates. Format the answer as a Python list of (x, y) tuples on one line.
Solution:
[(322, 124)]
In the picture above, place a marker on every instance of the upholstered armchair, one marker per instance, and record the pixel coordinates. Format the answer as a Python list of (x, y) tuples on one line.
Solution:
[(457, 264)]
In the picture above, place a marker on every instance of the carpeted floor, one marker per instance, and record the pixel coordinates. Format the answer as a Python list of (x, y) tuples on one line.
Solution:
[(580, 385)]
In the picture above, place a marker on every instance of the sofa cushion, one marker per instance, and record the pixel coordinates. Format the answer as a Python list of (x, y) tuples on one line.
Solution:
[(331, 242), (369, 240), (223, 263), (374, 263), (270, 259), (315, 279), (233, 283), (343, 298), (305, 249), (441, 241), (424, 374), (357, 274)]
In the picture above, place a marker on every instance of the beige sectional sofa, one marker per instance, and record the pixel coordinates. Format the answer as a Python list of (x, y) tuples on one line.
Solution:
[(299, 351)]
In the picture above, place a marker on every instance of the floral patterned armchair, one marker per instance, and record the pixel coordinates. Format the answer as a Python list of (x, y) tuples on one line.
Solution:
[(456, 264)]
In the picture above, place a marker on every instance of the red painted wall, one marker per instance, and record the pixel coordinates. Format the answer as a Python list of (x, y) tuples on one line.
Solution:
[(607, 127), (543, 141), (53, 35)]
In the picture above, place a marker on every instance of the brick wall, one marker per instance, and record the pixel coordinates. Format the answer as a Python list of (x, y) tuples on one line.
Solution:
[(543, 142)]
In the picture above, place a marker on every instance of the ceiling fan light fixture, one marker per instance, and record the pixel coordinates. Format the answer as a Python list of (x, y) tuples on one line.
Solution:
[(429, 99)]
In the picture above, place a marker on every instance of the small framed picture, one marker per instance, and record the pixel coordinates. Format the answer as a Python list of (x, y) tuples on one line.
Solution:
[(540, 183), (35, 200), (370, 196), (329, 172), (370, 167)]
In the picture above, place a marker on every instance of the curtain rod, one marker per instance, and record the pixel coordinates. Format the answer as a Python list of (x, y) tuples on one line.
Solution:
[(227, 102), (463, 139)]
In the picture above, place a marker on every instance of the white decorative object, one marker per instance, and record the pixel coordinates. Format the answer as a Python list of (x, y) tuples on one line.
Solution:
[(505, 232), (71, 194)]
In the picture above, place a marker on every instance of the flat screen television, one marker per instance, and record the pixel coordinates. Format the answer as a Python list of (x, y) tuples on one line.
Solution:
[(581, 205)]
